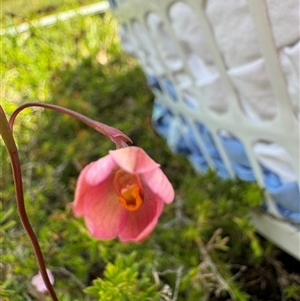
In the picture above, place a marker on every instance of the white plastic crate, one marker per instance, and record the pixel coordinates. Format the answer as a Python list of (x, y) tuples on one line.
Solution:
[(225, 75)]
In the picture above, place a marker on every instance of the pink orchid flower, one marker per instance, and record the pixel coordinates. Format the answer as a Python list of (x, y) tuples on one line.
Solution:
[(122, 194), (39, 283)]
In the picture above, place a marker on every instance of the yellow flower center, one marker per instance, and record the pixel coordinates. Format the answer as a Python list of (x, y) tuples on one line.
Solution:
[(128, 190), (130, 198)]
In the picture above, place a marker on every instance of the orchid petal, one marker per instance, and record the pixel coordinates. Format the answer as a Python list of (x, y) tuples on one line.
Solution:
[(133, 159), (100, 170), (159, 184), (100, 187), (39, 283), (81, 188), (141, 223), (92, 175), (104, 216)]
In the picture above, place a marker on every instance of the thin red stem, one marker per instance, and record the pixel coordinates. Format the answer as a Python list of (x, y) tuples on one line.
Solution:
[(81, 117), (7, 136), (118, 137), (115, 135)]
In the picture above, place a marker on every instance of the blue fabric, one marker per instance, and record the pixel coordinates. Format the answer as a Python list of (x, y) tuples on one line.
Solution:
[(153, 83), (161, 118), (291, 215), (221, 169), (212, 150), (167, 126), (170, 89), (238, 157), (196, 157), (178, 138), (190, 102), (112, 4), (286, 195), (198, 162), (271, 180)]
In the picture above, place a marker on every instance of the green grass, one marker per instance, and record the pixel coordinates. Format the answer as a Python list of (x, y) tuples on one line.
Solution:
[(79, 64), (18, 11)]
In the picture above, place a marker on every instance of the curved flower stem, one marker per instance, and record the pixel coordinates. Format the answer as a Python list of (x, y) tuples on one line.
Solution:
[(10, 144), (118, 137)]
